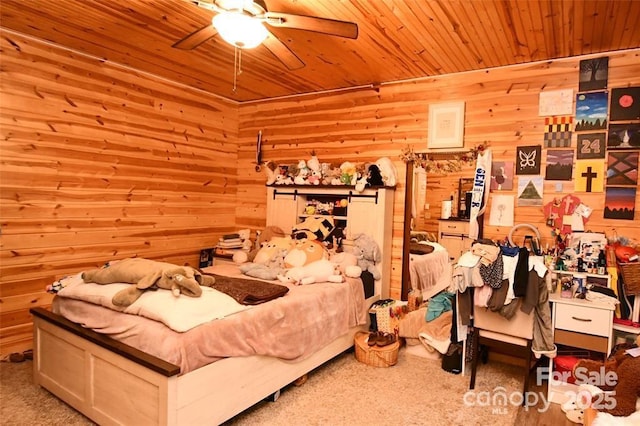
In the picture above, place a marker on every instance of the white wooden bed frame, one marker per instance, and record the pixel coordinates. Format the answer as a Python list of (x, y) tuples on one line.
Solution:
[(112, 383)]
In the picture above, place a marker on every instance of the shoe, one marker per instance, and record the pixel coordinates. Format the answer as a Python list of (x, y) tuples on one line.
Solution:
[(372, 340), (386, 339)]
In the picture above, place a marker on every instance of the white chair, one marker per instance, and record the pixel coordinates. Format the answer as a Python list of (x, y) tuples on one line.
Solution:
[(511, 337)]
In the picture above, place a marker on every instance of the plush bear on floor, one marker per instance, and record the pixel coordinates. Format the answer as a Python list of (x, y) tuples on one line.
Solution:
[(626, 385), (147, 274)]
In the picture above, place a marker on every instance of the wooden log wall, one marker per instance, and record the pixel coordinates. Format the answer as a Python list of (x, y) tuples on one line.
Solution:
[(361, 126), (99, 162)]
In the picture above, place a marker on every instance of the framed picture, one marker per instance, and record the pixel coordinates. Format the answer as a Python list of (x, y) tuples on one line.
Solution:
[(624, 136), (591, 145), (446, 125)]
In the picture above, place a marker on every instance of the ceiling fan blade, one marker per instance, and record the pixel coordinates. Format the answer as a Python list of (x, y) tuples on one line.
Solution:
[(196, 38), (282, 52), (313, 23)]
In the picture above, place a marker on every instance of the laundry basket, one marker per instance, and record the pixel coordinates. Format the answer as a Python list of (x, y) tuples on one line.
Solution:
[(630, 277), (375, 356)]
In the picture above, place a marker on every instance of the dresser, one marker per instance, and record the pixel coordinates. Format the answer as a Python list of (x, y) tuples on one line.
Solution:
[(453, 234), (580, 324)]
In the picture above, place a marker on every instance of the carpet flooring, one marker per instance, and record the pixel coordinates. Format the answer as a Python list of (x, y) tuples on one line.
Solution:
[(344, 391)]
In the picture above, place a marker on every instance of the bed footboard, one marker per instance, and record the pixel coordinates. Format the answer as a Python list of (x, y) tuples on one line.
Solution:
[(112, 383), (107, 381)]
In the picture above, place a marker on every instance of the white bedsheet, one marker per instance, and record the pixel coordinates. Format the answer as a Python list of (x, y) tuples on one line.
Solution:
[(178, 313)]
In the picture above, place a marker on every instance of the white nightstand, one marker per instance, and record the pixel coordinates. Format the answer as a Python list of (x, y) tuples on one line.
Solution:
[(581, 324)]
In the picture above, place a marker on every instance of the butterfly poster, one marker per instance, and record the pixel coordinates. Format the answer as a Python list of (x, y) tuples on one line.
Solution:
[(528, 160)]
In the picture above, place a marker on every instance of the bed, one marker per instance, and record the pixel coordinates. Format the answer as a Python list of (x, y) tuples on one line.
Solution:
[(91, 358)]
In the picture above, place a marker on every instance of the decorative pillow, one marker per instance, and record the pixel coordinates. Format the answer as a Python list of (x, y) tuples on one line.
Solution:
[(313, 228), (273, 248), (304, 252)]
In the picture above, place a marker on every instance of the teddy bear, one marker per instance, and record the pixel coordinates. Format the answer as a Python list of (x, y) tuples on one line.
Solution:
[(347, 264), (268, 270), (322, 270), (626, 380), (148, 274), (368, 254)]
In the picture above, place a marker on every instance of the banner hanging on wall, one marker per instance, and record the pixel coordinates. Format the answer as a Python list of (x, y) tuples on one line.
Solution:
[(480, 192)]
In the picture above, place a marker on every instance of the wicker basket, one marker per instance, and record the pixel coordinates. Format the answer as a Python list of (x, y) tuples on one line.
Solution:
[(375, 356), (630, 277)]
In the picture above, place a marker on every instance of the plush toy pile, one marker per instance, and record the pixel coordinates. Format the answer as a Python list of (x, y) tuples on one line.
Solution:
[(312, 172), (306, 258)]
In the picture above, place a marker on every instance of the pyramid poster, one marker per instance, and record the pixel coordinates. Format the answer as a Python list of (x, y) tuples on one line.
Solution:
[(530, 190)]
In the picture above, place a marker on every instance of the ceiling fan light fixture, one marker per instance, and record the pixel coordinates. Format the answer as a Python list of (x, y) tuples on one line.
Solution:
[(239, 29)]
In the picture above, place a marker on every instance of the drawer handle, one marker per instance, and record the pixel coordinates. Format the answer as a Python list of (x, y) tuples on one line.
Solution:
[(582, 319)]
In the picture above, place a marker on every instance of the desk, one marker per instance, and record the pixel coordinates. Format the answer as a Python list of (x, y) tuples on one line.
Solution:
[(581, 324)]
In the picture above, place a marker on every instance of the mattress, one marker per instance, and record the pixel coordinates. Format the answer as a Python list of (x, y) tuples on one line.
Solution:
[(291, 327)]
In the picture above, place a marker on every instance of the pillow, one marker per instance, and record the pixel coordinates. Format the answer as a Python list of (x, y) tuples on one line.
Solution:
[(313, 228), (304, 252), (272, 248)]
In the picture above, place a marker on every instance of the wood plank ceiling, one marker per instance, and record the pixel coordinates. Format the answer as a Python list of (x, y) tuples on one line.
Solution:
[(398, 39)]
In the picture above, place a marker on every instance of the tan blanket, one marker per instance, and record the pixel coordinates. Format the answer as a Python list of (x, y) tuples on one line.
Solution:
[(291, 327)]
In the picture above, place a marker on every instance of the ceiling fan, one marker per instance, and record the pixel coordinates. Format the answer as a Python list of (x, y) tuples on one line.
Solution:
[(242, 24)]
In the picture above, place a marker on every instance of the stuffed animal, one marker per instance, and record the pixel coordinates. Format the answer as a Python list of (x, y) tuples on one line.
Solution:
[(274, 246), (317, 271), (313, 228), (626, 378), (148, 274), (303, 172), (387, 170), (374, 178), (270, 171), (334, 240), (266, 271), (348, 174), (304, 252), (346, 264), (368, 254)]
